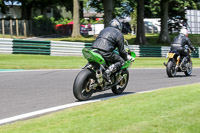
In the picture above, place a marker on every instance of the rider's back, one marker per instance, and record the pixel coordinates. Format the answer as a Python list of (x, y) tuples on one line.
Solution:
[(179, 42), (108, 39)]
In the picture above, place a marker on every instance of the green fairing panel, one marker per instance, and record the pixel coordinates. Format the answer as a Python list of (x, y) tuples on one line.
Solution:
[(92, 56), (128, 63), (133, 55)]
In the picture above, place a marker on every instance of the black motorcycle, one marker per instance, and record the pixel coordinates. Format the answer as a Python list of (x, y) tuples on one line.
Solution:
[(177, 63)]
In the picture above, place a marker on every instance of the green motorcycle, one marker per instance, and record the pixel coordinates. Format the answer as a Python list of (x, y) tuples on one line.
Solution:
[(91, 78)]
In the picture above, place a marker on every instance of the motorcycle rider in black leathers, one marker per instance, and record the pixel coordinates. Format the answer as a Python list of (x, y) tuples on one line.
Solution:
[(182, 44), (108, 40)]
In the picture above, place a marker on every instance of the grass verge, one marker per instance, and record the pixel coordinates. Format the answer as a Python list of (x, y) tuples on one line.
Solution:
[(172, 110), (20, 61), (12, 37)]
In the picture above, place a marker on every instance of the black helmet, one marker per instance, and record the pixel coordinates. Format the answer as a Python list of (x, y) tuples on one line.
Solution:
[(116, 24)]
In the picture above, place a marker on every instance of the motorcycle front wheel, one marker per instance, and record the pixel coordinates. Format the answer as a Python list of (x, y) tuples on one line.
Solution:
[(171, 68), (81, 87), (118, 89), (188, 71)]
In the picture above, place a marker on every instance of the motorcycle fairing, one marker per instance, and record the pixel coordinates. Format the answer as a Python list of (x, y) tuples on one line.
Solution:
[(92, 56)]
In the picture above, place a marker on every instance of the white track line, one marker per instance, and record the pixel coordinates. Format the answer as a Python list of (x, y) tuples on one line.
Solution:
[(39, 112), (48, 110)]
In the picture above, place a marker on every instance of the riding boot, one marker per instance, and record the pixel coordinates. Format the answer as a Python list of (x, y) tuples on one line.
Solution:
[(111, 69)]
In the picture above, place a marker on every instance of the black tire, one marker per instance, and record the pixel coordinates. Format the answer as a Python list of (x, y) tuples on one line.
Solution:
[(188, 71), (82, 81), (170, 69), (118, 89)]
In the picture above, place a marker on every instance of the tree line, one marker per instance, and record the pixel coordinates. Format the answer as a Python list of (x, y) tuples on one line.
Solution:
[(164, 9), (138, 9)]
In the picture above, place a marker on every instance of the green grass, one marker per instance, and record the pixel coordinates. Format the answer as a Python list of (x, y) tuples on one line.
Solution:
[(169, 110), (20, 61), (157, 62), (14, 37)]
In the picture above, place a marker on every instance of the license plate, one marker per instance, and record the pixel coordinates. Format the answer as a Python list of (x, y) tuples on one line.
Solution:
[(170, 55)]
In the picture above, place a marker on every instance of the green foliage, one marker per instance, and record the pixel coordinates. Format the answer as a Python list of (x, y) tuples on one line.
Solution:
[(176, 8), (152, 8), (96, 22), (122, 8), (97, 5), (63, 21), (43, 25), (86, 6), (2, 6), (134, 19), (42, 18), (176, 11), (82, 21)]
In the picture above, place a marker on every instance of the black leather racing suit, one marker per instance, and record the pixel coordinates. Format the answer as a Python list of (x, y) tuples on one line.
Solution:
[(108, 40), (180, 43)]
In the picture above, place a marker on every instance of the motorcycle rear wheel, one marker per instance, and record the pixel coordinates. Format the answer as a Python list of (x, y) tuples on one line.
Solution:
[(81, 85), (170, 69), (118, 89), (188, 71)]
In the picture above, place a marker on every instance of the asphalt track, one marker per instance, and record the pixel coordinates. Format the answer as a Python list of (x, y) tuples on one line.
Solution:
[(27, 91)]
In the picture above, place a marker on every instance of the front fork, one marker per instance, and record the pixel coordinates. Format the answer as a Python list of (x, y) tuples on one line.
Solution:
[(120, 78)]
